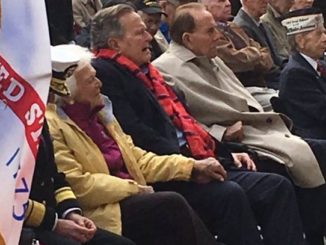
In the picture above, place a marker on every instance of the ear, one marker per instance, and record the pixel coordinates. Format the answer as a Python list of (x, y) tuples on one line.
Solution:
[(300, 41), (163, 5), (186, 39), (113, 43)]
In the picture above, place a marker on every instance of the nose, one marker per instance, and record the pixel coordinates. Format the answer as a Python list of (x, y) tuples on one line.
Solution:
[(99, 83), (148, 36), (217, 35), (228, 3)]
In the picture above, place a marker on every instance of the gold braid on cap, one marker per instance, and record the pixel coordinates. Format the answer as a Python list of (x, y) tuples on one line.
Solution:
[(59, 87)]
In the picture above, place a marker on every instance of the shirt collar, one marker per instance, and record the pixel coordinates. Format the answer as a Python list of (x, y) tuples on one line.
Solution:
[(311, 61), (182, 52), (257, 23)]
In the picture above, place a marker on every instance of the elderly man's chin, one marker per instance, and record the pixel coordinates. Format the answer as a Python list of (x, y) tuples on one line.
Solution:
[(98, 101), (213, 53)]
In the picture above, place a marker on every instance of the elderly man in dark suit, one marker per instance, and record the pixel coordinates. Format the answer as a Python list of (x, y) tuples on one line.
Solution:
[(303, 94)]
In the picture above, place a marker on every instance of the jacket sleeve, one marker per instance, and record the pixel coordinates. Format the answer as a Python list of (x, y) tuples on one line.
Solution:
[(143, 135), (40, 216), (65, 198), (91, 189), (159, 168), (240, 60)]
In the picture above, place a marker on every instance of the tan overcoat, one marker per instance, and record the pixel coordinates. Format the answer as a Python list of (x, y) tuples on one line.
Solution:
[(217, 99)]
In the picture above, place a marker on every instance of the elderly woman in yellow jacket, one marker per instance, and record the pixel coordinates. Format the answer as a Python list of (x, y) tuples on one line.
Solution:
[(109, 174)]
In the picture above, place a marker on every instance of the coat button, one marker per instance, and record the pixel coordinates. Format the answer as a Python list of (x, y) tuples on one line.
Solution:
[(269, 120), (42, 183), (287, 135)]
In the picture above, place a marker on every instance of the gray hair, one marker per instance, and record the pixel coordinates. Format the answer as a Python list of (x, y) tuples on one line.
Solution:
[(184, 21), (105, 24)]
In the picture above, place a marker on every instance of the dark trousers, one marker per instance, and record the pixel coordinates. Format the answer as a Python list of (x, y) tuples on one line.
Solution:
[(232, 209), (312, 202), (101, 237), (162, 218)]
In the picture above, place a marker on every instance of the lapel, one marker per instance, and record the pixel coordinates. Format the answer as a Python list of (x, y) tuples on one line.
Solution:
[(139, 84), (258, 35), (321, 82)]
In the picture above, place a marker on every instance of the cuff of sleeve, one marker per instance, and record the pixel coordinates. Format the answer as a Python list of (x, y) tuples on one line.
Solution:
[(70, 210), (217, 131), (55, 222)]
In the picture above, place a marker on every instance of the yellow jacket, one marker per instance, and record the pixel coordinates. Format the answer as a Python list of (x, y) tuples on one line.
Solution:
[(81, 160)]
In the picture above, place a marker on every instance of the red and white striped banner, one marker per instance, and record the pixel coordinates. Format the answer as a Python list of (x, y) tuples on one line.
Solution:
[(25, 71)]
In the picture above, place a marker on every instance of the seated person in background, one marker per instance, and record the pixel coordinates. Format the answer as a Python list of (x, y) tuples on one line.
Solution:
[(162, 36), (149, 110), (109, 175), (84, 10), (276, 9), (303, 80), (248, 18), (53, 212), (151, 13), (246, 58)]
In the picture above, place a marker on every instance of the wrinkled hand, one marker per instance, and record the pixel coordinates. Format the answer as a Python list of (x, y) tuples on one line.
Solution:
[(145, 189), (266, 61), (206, 170), (243, 159), (70, 229), (83, 222), (234, 132)]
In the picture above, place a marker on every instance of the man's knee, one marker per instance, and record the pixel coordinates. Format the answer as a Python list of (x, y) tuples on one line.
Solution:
[(172, 200), (231, 191)]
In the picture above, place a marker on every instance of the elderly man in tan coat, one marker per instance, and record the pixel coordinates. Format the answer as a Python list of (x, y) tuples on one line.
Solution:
[(218, 100)]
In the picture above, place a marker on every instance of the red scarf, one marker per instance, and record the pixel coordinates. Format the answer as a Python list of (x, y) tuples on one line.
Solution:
[(200, 142)]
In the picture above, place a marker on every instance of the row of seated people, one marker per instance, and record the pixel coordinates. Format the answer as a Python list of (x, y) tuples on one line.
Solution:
[(214, 96), (109, 176), (150, 111), (255, 45)]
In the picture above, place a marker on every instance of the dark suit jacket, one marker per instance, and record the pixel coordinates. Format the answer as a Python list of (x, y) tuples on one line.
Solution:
[(49, 188), (303, 94), (136, 108), (243, 20)]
